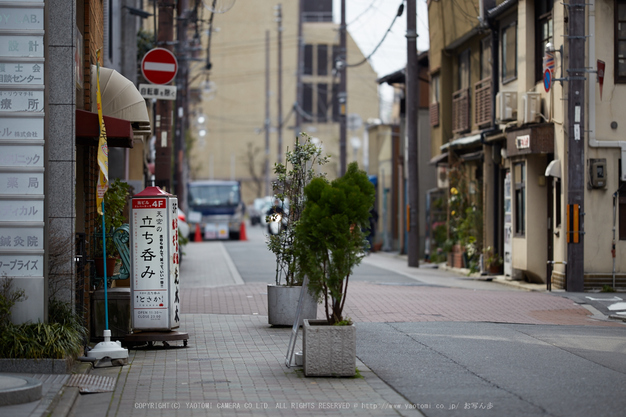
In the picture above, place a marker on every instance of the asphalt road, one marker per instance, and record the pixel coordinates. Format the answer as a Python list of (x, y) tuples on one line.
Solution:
[(481, 368)]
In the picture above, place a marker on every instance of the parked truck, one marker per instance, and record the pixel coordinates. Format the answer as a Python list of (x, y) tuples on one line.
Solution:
[(215, 209)]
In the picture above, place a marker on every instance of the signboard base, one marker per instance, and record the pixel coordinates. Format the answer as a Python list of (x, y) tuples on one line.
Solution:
[(151, 337)]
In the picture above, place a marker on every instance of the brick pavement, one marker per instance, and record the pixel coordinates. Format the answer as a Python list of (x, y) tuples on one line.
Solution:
[(369, 302)]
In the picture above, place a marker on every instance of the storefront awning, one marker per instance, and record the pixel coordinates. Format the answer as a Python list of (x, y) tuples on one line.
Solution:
[(439, 159), (119, 132), (121, 99), (554, 169), (462, 142)]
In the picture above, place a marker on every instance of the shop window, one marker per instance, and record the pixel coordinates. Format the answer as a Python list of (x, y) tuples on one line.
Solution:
[(620, 41), (520, 198), (509, 53)]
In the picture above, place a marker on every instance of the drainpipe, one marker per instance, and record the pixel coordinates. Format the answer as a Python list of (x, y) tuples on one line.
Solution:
[(593, 143)]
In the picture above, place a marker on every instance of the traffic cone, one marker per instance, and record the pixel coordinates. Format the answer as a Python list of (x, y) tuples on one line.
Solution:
[(198, 236), (242, 231)]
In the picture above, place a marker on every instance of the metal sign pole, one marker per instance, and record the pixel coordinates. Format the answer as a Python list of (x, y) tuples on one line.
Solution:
[(296, 324)]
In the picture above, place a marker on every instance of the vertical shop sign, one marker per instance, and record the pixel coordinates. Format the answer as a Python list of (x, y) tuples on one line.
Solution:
[(154, 259)]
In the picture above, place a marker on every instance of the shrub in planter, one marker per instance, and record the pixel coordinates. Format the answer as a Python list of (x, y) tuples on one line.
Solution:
[(331, 236), (331, 243), (292, 177)]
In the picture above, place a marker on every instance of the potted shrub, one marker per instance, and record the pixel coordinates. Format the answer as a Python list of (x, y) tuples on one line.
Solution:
[(493, 261), (292, 177), (331, 242), (115, 201)]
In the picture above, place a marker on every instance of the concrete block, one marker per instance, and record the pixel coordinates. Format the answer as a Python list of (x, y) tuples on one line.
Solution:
[(282, 305), (328, 350)]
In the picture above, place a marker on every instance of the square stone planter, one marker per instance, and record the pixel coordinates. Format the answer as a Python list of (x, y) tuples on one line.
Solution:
[(282, 305), (328, 350)]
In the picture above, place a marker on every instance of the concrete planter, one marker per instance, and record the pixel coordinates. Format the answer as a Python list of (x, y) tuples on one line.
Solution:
[(328, 350), (282, 305)]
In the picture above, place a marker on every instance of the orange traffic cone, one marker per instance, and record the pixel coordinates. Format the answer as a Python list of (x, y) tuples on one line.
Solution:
[(242, 231), (198, 236)]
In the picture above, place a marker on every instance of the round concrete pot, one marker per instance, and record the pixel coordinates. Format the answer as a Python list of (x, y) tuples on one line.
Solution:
[(282, 305)]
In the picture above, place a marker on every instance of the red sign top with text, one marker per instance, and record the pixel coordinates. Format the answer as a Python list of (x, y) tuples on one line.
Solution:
[(159, 66), (149, 203)]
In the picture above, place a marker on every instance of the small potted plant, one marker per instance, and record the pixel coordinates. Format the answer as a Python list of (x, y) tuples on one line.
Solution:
[(331, 243), (493, 261), (292, 177), (115, 201)]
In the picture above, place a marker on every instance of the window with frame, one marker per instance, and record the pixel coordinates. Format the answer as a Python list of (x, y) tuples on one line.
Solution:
[(308, 60), (322, 59), (620, 41), (307, 100), (544, 33), (336, 105), (509, 53), (322, 103), (519, 172), (485, 58), (463, 81)]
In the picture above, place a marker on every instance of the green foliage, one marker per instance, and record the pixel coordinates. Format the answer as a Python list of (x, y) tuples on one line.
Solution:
[(607, 288), (331, 238), (145, 42), (8, 298), (492, 259), (62, 337), (115, 201), (292, 178)]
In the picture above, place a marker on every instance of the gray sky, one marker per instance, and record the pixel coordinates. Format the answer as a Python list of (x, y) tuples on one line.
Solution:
[(368, 20)]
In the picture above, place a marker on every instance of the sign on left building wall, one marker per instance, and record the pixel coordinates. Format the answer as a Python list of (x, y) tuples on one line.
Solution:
[(22, 103)]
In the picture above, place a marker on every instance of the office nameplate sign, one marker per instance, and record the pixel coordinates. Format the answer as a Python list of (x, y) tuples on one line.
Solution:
[(21, 18), (21, 238), (21, 101), (21, 210), (21, 46), (21, 73), (20, 265), (29, 183), (21, 128), (21, 156)]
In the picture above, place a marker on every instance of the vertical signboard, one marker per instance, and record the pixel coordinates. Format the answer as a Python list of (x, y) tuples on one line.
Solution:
[(22, 104), (508, 226), (154, 261)]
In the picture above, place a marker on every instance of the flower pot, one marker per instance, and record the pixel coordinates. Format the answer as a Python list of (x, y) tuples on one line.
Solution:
[(328, 350), (282, 305), (100, 266), (495, 269)]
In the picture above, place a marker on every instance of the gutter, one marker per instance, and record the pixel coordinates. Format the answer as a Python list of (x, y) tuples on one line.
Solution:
[(593, 142)]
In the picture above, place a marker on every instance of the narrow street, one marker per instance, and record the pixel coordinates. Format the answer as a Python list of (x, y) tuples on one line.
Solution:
[(429, 342)]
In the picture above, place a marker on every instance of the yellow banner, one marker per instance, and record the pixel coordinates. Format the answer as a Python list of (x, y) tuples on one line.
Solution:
[(103, 149)]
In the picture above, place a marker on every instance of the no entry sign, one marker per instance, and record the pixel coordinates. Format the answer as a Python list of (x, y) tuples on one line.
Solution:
[(159, 66)]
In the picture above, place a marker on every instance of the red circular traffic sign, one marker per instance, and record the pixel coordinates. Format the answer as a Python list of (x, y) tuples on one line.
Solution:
[(159, 66)]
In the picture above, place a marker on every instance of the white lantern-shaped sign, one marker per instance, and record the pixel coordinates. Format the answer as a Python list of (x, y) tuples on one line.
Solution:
[(155, 279)]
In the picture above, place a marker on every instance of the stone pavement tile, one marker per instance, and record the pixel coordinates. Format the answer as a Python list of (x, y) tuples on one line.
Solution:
[(51, 384), (236, 365), (369, 302)]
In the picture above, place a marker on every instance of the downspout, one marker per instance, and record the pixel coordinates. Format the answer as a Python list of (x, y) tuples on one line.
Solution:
[(593, 143)]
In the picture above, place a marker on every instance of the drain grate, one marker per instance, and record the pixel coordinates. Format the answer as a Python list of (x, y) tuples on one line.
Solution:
[(91, 383)]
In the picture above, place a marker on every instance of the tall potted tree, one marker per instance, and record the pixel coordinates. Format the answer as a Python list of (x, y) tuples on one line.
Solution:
[(331, 242), (292, 177)]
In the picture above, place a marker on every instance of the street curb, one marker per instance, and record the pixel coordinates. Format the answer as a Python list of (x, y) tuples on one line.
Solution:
[(64, 400)]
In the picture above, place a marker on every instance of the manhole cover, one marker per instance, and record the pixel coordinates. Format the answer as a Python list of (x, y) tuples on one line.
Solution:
[(91, 383)]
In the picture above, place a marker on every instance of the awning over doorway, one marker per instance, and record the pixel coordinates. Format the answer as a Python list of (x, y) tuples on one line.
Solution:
[(554, 169), (119, 132), (121, 99)]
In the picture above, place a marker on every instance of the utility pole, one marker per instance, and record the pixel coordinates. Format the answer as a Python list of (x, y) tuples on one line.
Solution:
[(267, 112), (576, 147), (181, 99), (342, 96), (412, 108), (163, 128), (279, 124), (298, 127)]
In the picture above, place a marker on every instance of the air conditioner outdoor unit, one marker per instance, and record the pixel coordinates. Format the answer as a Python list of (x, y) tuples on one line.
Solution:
[(532, 107), (506, 105)]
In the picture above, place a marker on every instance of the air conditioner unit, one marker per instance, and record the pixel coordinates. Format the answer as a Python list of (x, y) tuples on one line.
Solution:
[(506, 105), (532, 107)]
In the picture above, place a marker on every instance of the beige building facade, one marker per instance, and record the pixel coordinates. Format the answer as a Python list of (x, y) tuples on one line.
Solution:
[(227, 129)]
